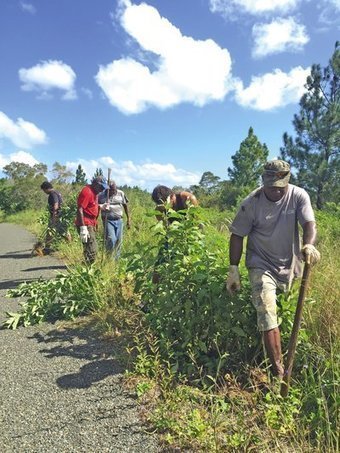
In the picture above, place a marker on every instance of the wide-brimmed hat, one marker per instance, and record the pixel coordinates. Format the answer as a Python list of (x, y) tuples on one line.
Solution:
[(276, 173)]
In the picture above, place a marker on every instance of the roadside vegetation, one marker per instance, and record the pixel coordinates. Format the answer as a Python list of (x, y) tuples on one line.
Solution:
[(193, 355), (192, 352)]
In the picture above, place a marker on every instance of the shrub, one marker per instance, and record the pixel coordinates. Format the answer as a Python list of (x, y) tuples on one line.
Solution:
[(200, 328)]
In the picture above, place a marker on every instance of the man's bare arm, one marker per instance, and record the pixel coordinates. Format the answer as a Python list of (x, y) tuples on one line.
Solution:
[(235, 252), (80, 216), (192, 199), (309, 233), (235, 249), (126, 209)]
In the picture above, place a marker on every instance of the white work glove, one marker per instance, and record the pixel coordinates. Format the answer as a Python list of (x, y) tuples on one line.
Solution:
[(84, 234), (310, 254), (234, 280), (105, 207)]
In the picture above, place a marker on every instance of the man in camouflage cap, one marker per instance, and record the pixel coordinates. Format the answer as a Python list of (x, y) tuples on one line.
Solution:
[(269, 217), (276, 173)]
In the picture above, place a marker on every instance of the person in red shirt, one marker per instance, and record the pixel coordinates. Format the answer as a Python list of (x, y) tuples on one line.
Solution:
[(87, 214)]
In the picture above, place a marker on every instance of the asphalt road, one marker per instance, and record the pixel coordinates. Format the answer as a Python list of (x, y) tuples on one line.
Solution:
[(60, 385)]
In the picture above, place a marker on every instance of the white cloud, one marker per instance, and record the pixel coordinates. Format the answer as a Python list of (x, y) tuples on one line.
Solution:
[(88, 93), (272, 90), (232, 9), (334, 3), (145, 175), (280, 35), (47, 76), (21, 133), (329, 13), (28, 8), (187, 70), (19, 156)]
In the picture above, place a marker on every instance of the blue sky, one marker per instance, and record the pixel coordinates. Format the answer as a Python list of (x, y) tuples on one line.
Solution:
[(159, 91)]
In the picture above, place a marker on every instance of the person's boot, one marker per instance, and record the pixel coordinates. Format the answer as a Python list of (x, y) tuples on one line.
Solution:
[(272, 343)]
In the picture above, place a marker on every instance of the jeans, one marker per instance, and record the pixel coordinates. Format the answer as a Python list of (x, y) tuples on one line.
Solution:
[(114, 236)]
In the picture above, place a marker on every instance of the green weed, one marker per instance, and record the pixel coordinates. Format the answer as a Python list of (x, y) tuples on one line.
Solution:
[(69, 295)]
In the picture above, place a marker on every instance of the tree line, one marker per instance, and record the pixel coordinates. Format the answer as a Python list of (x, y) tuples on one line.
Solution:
[(313, 154)]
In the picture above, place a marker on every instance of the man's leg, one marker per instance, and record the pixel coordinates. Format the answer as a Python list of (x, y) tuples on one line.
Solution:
[(264, 299), (272, 344), (63, 231), (49, 238), (119, 237), (90, 247), (111, 237)]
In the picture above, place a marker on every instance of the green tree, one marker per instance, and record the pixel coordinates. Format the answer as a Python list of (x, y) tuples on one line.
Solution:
[(209, 182), (179, 189), (80, 176), (20, 170), (248, 162), (61, 174), (22, 187), (314, 153), (8, 203), (230, 195)]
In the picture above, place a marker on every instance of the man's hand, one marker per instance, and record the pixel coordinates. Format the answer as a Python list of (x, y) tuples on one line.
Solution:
[(310, 254), (84, 234), (233, 281)]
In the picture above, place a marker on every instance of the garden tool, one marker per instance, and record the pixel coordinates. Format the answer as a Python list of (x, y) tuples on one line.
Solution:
[(107, 201), (296, 326)]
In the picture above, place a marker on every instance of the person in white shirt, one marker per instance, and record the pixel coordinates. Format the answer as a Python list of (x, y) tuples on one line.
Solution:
[(112, 206)]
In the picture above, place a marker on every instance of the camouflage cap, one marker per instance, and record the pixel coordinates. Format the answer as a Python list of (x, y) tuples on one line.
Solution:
[(276, 173)]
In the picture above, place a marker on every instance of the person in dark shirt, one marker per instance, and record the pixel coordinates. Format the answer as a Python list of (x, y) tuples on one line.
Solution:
[(54, 206)]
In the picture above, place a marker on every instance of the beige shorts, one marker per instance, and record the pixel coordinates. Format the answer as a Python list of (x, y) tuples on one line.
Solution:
[(264, 287)]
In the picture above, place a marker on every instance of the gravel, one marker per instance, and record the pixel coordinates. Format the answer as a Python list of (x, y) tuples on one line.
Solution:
[(61, 388)]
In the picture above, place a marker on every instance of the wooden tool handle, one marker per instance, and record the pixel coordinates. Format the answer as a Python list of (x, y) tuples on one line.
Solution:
[(295, 330)]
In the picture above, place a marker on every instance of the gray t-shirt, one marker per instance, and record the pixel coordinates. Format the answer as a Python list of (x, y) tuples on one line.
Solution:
[(272, 230), (116, 204)]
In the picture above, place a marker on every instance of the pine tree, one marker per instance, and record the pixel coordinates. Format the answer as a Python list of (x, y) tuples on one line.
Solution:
[(314, 153), (80, 176), (98, 172), (248, 162)]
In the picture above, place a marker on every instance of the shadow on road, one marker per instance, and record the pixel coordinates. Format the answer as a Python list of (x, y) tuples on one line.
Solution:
[(82, 342), (15, 255), (88, 374), (11, 284), (42, 268)]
